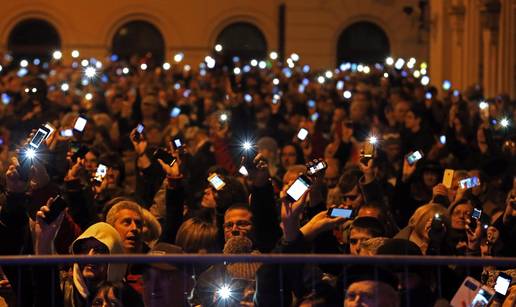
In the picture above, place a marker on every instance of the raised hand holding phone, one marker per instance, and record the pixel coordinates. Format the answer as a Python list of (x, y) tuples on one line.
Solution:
[(290, 213), (45, 229)]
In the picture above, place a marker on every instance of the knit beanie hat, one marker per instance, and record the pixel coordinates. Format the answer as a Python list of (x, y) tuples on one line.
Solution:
[(241, 270)]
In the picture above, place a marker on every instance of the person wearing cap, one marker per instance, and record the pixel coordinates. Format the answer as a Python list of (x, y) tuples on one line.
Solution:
[(165, 284)]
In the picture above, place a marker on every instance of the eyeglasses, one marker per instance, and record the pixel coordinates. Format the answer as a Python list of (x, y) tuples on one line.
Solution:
[(239, 224)]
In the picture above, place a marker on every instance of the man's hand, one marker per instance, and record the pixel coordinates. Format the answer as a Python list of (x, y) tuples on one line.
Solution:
[(139, 144), (291, 213), (440, 190), (474, 235), (261, 176), (44, 233), (408, 170), (73, 172), (38, 176), (13, 180), (319, 223)]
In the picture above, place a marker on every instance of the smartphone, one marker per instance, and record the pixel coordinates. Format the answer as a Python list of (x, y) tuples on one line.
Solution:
[(100, 173), (243, 171), (50, 128), (298, 188), (6, 99), (248, 98), (39, 137), (139, 130), (466, 292), (483, 297), (442, 139), (301, 88), (311, 103), (58, 205), (475, 215), (437, 223), (166, 157), (428, 95), (469, 183), (216, 182), (67, 133), (413, 157), (367, 152), (340, 212), (175, 112), (80, 123), (340, 85), (78, 151), (178, 144), (302, 134), (317, 168), (448, 178), (503, 281), (314, 117)]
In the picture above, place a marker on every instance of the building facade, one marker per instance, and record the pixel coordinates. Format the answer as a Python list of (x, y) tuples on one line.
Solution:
[(465, 41)]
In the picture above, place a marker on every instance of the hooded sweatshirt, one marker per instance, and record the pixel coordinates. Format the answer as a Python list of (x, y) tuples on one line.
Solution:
[(75, 291)]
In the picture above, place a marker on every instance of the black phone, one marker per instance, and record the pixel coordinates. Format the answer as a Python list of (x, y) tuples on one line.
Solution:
[(437, 223), (165, 156), (475, 216), (58, 205), (78, 150), (177, 143), (314, 169)]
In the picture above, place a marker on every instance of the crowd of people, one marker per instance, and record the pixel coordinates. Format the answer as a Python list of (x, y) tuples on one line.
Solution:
[(126, 157)]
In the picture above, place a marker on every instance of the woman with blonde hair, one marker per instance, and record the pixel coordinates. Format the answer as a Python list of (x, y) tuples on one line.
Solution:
[(427, 228)]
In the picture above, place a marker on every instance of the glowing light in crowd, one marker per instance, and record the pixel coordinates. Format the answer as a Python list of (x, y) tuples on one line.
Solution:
[(294, 57), (30, 153), (275, 81), (290, 63), (187, 67), (246, 68), (423, 71), (98, 64), (367, 69), (446, 85), (254, 62), (224, 292), (88, 96), (218, 47), (75, 54), (36, 61), (320, 79), (385, 75), (85, 63), (1, 68), (504, 122), (483, 105), (423, 65), (125, 70), (166, 66), (425, 80), (210, 62), (90, 72), (273, 55), (389, 61), (328, 74), (178, 57), (224, 117), (306, 69), (247, 145), (347, 94), (373, 139), (236, 59), (416, 74), (262, 64), (399, 63), (65, 87), (24, 63), (57, 55), (237, 70)]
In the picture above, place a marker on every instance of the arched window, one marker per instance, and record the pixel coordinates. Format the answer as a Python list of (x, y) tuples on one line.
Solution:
[(243, 40), (33, 38), (139, 38), (362, 42)]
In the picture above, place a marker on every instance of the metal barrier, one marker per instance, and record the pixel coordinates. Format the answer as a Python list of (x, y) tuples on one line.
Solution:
[(403, 262)]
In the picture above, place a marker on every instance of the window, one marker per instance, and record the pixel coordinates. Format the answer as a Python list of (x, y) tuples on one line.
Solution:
[(242, 40), (139, 38), (363, 42), (33, 38)]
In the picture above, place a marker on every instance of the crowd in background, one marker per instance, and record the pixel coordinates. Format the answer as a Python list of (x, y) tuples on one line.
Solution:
[(249, 114)]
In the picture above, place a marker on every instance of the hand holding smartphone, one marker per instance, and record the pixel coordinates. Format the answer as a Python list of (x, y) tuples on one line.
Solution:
[(216, 182), (57, 206), (414, 156), (298, 188), (340, 212)]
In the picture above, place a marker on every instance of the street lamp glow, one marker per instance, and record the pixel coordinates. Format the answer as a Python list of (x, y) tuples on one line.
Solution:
[(166, 66), (57, 55), (347, 94), (75, 54), (273, 55), (218, 47)]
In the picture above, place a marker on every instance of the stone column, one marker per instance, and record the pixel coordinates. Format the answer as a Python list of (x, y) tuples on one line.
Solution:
[(472, 44), (507, 49), (456, 14), (490, 20)]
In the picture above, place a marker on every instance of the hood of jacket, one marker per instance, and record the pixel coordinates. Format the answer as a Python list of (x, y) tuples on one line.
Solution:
[(108, 236)]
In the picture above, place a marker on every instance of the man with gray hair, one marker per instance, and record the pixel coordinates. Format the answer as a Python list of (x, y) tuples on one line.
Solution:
[(127, 218)]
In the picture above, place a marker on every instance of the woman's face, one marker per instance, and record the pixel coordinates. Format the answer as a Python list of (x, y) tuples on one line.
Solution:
[(430, 179), (460, 216)]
